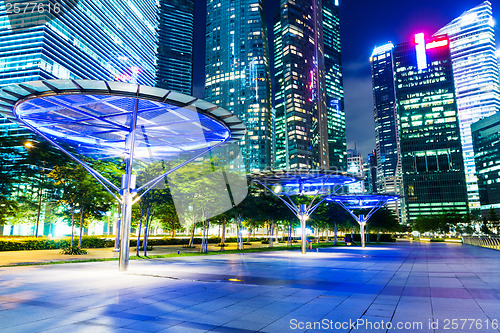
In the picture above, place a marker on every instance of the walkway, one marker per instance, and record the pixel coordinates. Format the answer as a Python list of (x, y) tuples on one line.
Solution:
[(417, 285), (8, 258)]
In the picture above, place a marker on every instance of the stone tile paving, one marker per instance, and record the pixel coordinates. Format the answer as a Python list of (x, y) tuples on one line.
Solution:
[(427, 287)]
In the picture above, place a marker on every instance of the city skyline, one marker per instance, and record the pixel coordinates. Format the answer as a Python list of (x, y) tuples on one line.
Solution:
[(375, 25)]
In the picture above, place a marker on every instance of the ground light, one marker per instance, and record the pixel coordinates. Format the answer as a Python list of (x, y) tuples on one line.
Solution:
[(288, 183), (370, 202), (107, 119)]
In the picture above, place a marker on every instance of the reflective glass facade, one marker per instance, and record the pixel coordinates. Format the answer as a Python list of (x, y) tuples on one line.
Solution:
[(385, 115), (237, 72), (486, 142), (309, 95), (111, 40), (175, 45), (431, 150), (475, 66)]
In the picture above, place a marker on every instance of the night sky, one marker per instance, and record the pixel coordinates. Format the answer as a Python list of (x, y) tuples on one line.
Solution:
[(364, 25)]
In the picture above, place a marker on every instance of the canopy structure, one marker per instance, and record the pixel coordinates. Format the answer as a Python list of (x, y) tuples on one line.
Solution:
[(370, 202), (288, 183), (107, 119)]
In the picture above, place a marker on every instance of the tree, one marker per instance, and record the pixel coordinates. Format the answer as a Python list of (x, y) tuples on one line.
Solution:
[(384, 220), (440, 223), (8, 208), (80, 191), (199, 194), (330, 216), (492, 216)]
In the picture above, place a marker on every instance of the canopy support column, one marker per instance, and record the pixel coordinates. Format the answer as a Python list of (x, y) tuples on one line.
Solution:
[(127, 196)]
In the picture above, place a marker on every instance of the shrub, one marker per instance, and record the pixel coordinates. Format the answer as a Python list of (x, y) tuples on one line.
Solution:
[(437, 240), (73, 251)]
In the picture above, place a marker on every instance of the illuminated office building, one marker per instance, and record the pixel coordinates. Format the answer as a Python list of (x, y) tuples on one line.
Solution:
[(431, 150), (355, 166), (385, 115), (486, 142), (475, 67), (237, 73), (175, 45), (112, 40), (309, 95)]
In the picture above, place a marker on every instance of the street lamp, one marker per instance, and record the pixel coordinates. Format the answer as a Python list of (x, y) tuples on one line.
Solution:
[(30, 145)]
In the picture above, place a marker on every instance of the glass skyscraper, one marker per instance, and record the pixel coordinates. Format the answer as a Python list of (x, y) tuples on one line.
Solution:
[(175, 45), (486, 142), (431, 150), (111, 40), (385, 115), (475, 67), (237, 73), (309, 95)]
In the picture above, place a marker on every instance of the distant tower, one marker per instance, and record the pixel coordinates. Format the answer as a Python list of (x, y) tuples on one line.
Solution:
[(355, 166), (237, 72), (475, 66), (431, 150), (486, 140), (309, 100), (175, 45), (385, 115)]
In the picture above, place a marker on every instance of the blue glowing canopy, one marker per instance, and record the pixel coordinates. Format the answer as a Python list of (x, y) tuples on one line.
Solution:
[(97, 116), (298, 181), (363, 201)]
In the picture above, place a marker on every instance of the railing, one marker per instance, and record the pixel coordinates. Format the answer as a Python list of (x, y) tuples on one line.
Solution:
[(485, 241)]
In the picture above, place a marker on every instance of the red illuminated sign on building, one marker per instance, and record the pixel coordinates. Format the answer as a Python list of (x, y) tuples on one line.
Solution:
[(437, 43)]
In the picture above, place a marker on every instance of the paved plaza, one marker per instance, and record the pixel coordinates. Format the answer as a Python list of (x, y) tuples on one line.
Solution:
[(417, 285)]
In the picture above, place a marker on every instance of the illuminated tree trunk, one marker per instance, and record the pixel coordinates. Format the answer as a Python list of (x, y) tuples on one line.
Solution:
[(139, 234), (149, 218), (81, 229), (72, 225)]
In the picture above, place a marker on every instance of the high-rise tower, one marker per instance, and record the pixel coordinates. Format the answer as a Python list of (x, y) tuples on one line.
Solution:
[(237, 72), (112, 40), (309, 99), (431, 150), (475, 67), (385, 115), (175, 45)]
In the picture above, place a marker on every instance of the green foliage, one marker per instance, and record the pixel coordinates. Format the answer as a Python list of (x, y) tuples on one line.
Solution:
[(8, 208), (492, 216), (384, 220), (437, 240), (41, 243), (440, 223), (73, 251)]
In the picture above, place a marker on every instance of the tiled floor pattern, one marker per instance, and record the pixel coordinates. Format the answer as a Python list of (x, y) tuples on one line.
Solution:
[(423, 286)]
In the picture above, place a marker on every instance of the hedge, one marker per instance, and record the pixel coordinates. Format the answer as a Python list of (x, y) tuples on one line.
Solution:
[(41, 243), (384, 238), (92, 242)]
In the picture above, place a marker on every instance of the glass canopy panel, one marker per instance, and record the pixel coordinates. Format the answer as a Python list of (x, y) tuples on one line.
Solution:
[(363, 201), (100, 125), (293, 182)]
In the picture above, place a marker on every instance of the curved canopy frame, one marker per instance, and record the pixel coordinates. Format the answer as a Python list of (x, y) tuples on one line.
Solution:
[(371, 202), (106, 119), (298, 182)]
